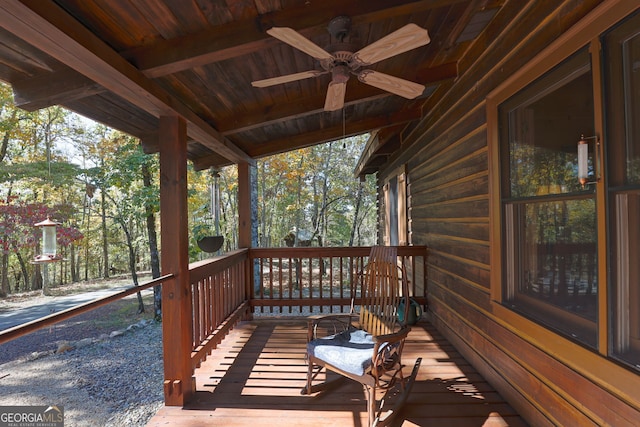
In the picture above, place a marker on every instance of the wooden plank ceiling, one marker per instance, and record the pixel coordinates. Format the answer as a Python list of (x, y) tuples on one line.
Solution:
[(125, 63)]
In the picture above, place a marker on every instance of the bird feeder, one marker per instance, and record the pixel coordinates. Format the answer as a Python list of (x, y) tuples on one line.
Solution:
[(48, 242)]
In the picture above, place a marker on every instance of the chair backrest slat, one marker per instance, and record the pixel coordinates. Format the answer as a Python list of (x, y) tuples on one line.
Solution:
[(383, 286)]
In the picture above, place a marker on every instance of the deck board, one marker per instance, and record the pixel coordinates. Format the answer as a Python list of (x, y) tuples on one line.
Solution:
[(254, 377)]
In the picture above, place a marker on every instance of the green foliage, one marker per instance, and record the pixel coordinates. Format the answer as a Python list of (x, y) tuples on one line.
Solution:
[(56, 174), (313, 190), (54, 158)]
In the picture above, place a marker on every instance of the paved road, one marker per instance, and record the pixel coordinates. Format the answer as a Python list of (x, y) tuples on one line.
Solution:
[(9, 319)]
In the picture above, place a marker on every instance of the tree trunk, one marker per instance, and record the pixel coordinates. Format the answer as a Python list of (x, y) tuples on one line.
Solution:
[(74, 262), (7, 135), (354, 225), (105, 246), (153, 247), (4, 274), (4, 289), (23, 268), (36, 281), (132, 262)]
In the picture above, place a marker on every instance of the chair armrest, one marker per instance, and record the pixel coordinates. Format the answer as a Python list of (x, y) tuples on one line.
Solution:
[(387, 351), (337, 322), (394, 337)]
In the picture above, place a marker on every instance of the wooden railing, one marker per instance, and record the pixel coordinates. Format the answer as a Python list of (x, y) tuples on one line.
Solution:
[(283, 282), (219, 300), (27, 328), (304, 281), (278, 281)]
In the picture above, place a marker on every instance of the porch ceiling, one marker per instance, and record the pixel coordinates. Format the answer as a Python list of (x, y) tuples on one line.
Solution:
[(125, 63)]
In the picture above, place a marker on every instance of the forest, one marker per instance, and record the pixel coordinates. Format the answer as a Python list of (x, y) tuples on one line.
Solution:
[(102, 190)]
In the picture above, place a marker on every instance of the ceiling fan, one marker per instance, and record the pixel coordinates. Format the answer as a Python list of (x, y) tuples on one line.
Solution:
[(342, 61)]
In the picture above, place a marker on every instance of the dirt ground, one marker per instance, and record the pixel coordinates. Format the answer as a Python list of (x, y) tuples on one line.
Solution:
[(92, 324), (111, 374)]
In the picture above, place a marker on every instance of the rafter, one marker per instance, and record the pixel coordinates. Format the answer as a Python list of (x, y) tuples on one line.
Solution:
[(367, 124), (244, 37), (379, 146), (356, 94), (52, 89), (50, 29)]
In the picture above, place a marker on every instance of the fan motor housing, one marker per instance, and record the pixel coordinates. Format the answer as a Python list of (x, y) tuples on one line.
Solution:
[(339, 27)]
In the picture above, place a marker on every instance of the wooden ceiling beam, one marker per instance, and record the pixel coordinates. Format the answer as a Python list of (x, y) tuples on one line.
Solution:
[(202, 163), (244, 37), (356, 94), (378, 148), (49, 28), (53, 89), (336, 132), (285, 111)]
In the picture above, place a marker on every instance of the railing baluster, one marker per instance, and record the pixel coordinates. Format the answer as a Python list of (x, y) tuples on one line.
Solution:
[(262, 282), (320, 282), (331, 282), (297, 277), (270, 291)]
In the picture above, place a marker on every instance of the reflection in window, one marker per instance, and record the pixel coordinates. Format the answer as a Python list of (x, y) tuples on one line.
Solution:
[(550, 220), (557, 264)]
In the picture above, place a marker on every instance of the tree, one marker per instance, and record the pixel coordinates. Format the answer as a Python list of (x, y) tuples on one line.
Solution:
[(314, 189), (18, 234), (132, 200), (150, 210)]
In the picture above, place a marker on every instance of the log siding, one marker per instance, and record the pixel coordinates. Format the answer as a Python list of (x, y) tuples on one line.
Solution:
[(447, 163)]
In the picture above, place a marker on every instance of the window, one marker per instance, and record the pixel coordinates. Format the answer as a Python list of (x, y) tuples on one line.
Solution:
[(549, 219), (567, 255), (622, 75), (395, 198)]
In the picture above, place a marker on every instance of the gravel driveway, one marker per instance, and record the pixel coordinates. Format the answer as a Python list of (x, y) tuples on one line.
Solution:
[(100, 380)]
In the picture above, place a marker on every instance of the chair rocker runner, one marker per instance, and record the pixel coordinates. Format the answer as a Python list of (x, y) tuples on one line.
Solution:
[(367, 347)]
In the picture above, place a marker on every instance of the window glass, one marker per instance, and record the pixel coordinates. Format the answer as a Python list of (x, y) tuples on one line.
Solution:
[(540, 129), (556, 264), (550, 218)]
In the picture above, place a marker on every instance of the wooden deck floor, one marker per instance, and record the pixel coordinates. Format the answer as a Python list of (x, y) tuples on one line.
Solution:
[(254, 379)]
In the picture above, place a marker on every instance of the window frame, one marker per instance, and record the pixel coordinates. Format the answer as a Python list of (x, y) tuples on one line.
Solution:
[(396, 207), (524, 120), (586, 32), (623, 194)]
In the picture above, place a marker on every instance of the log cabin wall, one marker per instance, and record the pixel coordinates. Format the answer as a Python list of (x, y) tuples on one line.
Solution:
[(549, 379)]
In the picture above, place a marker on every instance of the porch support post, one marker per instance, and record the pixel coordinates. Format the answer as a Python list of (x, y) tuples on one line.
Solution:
[(246, 205), (248, 220), (176, 294)]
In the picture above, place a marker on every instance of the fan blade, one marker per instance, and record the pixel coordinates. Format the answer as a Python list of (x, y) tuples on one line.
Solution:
[(335, 96), (288, 78), (406, 38), (297, 40), (392, 84)]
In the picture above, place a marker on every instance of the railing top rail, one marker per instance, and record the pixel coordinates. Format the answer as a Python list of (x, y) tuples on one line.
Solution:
[(318, 251), (27, 328), (205, 268)]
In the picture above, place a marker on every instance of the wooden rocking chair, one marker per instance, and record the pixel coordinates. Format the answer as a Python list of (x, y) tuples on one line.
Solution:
[(366, 347)]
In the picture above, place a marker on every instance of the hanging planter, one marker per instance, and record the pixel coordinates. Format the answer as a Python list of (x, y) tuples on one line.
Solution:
[(210, 244)]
